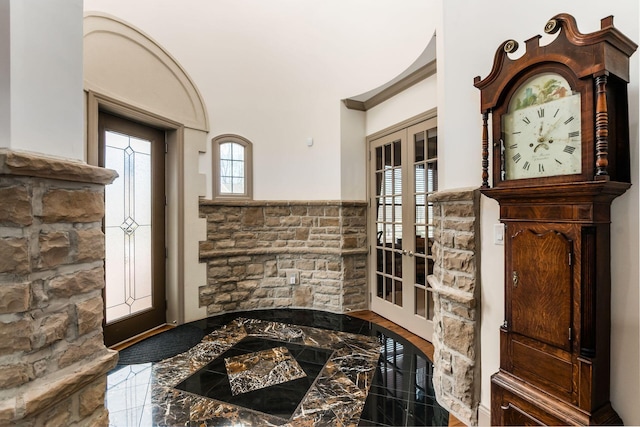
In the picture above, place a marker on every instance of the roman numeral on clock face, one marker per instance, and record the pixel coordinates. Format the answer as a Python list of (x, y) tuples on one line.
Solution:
[(526, 120), (569, 149), (574, 134), (517, 157), (526, 166), (569, 120), (541, 112), (540, 167)]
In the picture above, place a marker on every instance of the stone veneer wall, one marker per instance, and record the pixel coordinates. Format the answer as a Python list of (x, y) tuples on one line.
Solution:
[(253, 246), (455, 279), (53, 362)]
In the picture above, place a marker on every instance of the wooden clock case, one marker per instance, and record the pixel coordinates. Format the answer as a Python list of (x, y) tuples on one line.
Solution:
[(555, 340)]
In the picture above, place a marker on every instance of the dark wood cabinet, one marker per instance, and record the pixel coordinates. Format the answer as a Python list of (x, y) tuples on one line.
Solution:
[(555, 338)]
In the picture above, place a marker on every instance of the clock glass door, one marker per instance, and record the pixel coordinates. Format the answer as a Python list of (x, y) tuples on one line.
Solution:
[(403, 170)]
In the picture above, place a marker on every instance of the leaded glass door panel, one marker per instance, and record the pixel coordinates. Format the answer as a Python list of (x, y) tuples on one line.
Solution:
[(134, 228), (403, 172)]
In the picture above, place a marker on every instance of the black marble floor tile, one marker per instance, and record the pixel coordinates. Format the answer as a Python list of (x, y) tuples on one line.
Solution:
[(355, 373)]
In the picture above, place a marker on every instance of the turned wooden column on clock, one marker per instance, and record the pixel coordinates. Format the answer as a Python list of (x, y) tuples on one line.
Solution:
[(559, 151)]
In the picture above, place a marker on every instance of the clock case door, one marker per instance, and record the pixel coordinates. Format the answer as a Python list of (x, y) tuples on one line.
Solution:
[(539, 312)]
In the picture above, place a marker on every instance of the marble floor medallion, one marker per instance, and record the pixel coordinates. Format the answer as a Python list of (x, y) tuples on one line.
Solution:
[(253, 371), (258, 372)]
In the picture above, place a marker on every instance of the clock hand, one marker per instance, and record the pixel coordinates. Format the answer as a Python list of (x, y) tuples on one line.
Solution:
[(541, 144), (553, 126)]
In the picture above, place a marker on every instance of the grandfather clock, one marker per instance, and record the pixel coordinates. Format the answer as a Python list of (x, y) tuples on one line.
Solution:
[(560, 156)]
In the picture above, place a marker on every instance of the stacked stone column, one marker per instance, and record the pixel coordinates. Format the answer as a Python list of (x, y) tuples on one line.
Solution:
[(456, 293), (53, 361)]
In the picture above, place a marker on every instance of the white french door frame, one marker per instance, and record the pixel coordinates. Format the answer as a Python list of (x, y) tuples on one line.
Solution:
[(394, 258)]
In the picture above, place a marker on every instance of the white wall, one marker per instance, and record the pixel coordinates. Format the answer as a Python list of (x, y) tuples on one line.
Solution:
[(41, 80), (275, 71), (468, 36), (417, 99)]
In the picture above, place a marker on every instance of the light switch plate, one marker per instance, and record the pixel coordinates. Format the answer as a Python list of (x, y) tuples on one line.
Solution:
[(498, 234)]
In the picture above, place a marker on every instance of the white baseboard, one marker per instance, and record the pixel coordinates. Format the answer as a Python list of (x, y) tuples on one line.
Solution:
[(484, 416)]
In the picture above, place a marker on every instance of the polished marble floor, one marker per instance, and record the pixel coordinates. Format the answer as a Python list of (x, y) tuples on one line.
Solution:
[(281, 367)]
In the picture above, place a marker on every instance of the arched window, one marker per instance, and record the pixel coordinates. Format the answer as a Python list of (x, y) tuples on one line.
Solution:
[(232, 164)]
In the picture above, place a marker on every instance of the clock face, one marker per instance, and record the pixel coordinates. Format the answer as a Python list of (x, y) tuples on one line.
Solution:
[(542, 129)]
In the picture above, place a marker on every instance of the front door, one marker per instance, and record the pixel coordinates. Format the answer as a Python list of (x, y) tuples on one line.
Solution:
[(403, 171), (134, 228)]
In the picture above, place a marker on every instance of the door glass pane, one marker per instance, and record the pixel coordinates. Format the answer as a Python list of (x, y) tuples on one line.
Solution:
[(128, 227), (425, 182), (421, 298), (388, 177)]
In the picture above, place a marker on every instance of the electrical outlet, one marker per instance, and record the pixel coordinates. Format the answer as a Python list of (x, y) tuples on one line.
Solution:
[(293, 278)]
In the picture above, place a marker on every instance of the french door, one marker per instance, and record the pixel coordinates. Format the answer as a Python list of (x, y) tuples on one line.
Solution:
[(134, 227), (403, 172)]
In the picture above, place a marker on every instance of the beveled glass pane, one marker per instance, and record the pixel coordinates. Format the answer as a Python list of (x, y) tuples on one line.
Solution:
[(420, 298), (398, 293), (142, 193), (115, 191), (115, 276), (140, 245), (380, 287), (141, 146), (128, 227), (378, 158), (430, 241), (116, 140), (379, 184)]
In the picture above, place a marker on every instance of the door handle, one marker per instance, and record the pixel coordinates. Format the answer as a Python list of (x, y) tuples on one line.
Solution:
[(515, 279), (410, 253)]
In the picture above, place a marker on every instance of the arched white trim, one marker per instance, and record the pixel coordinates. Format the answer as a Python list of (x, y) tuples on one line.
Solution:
[(122, 62), (129, 74)]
